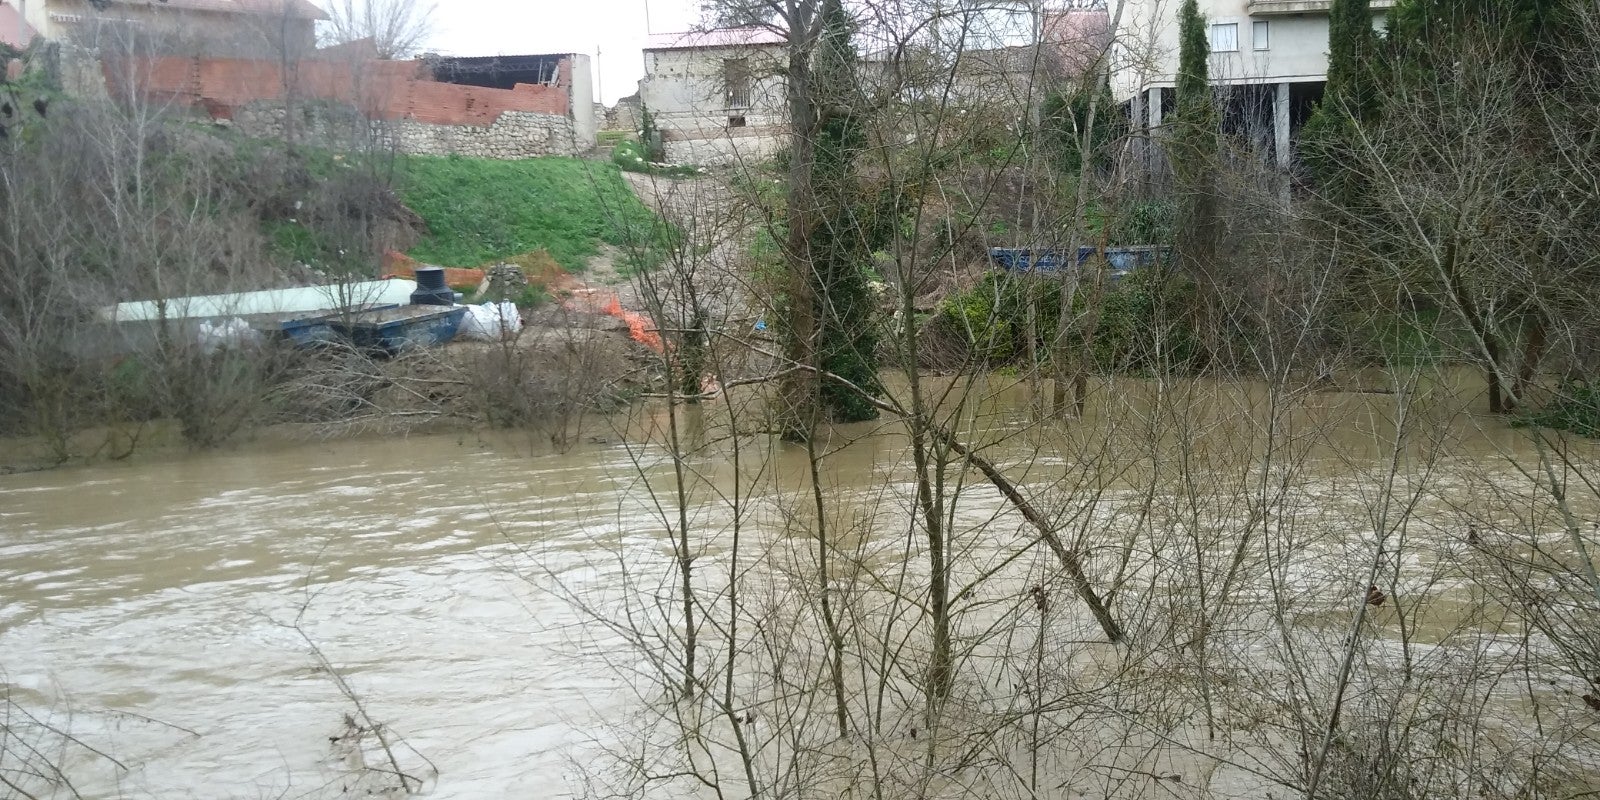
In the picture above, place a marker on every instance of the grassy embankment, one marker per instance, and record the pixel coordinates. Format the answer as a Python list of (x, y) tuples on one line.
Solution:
[(540, 214), (480, 211)]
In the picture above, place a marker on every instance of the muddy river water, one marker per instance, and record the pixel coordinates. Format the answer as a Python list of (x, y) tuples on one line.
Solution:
[(169, 590), (160, 611)]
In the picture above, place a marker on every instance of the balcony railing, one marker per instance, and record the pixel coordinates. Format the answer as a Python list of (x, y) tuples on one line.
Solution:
[(1267, 8)]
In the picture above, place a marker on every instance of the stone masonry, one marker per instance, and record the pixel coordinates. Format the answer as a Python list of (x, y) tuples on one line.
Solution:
[(513, 135)]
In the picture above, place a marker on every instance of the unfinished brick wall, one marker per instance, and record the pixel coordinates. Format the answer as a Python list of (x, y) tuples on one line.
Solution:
[(393, 91)]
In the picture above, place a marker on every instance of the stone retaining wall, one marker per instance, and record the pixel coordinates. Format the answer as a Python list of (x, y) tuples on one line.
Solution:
[(516, 134), (513, 135), (714, 148)]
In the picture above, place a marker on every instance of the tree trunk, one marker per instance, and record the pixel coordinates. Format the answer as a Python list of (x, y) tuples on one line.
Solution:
[(1532, 353), (799, 397), (940, 668), (1497, 398)]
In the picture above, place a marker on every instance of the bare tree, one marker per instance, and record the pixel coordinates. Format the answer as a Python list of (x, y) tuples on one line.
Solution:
[(394, 29)]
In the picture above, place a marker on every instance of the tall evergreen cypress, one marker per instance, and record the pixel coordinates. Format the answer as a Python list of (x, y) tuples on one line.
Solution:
[(846, 340), (1349, 101), (1426, 35), (1351, 46), (1196, 110), (1192, 146)]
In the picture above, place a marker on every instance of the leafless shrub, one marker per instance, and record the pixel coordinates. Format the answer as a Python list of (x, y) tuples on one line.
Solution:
[(395, 28), (550, 378)]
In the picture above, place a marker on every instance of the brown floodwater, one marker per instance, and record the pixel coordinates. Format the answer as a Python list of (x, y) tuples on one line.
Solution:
[(150, 608), (168, 590)]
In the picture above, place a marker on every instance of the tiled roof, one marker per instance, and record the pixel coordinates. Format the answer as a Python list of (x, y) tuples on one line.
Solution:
[(364, 49)]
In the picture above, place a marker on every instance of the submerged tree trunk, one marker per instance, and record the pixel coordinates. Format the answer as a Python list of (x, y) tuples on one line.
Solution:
[(797, 414), (830, 616), (1497, 396), (1533, 347), (930, 501)]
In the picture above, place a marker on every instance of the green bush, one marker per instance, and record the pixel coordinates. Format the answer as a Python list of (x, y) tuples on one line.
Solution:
[(296, 242), (631, 156), (1575, 408), (531, 296), (1416, 337), (650, 135), (982, 317), (1065, 115), (1143, 325), (1150, 222)]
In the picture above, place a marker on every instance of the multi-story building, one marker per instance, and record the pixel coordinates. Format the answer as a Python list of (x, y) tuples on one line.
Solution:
[(1270, 58)]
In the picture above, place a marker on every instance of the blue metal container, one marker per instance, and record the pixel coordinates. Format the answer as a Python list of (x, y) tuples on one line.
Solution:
[(1127, 259), (1025, 259), (309, 330), (1122, 260), (396, 330)]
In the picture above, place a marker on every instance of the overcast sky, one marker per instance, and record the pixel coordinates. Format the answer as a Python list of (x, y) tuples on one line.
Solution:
[(616, 28)]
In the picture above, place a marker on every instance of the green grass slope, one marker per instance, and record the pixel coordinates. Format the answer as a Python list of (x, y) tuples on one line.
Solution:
[(481, 210)]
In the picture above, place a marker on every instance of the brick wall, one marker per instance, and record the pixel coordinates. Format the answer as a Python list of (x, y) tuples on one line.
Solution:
[(393, 91)]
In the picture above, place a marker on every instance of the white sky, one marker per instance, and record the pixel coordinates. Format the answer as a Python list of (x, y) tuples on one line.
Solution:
[(614, 28)]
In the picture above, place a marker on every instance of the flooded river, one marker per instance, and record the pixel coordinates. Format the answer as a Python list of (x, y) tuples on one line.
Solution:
[(164, 612), (169, 591)]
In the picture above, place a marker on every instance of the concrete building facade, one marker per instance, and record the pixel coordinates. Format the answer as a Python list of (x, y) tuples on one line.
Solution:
[(1015, 53), (1269, 58), (717, 97)]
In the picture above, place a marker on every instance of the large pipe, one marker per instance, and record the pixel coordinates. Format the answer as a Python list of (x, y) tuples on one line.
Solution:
[(431, 288)]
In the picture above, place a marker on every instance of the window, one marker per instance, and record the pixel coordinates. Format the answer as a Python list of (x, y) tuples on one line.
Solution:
[(736, 122), (1258, 34), (1225, 37), (736, 82)]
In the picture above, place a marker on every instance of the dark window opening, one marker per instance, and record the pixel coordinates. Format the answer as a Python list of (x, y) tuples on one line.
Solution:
[(1248, 111), (497, 72), (736, 122), (736, 83)]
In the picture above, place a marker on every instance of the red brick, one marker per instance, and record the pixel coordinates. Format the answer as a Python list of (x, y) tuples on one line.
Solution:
[(390, 90)]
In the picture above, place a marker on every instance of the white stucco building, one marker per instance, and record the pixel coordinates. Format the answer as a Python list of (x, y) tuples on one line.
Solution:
[(716, 96), (1271, 55)]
